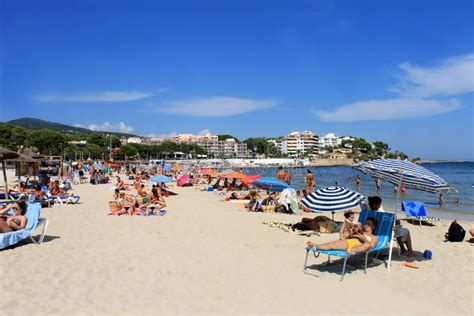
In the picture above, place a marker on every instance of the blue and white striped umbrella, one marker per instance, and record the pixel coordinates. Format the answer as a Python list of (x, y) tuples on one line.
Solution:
[(412, 175), (332, 199)]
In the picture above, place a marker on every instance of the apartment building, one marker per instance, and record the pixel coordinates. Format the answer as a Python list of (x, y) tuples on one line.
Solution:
[(297, 144)]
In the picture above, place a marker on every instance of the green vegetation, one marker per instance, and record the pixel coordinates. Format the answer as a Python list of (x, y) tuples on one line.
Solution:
[(262, 146), (227, 136), (98, 145)]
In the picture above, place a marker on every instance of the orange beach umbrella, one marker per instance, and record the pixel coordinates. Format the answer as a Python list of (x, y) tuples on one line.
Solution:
[(177, 168), (232, 175), (249, 179)]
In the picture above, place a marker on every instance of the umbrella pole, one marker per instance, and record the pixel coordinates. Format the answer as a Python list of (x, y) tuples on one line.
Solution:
[(397, 201), (6, 180)]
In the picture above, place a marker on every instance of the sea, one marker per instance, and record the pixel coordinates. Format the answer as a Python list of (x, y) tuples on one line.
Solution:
[(459, 175)]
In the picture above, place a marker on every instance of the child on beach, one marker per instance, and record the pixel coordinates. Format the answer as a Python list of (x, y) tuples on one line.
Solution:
[(404, 239), (348, 227)]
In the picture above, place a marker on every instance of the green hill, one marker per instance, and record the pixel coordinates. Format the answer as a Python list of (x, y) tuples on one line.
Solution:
[(33, 123)]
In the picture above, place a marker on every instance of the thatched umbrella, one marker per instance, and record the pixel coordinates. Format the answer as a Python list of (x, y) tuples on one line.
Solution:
[(6, 154), (24, 159)]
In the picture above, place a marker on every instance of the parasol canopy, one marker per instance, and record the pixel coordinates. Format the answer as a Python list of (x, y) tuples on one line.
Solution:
[(332, 199), (270, 184)]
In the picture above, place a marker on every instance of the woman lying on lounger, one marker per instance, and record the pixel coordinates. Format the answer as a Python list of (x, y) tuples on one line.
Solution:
[(357, 243), (14, 222)]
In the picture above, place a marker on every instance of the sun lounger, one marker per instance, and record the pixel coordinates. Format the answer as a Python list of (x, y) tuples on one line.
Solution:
[(33, 221), (62, 199), (383, 231), (416, 211)]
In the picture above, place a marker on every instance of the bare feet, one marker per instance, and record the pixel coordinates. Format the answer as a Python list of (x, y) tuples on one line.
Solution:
[(310, 244)]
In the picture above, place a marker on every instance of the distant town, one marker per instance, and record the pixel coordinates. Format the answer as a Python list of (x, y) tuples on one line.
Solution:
[(74, 143)]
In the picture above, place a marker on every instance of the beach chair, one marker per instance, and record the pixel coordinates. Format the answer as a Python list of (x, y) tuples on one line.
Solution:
[(62, 199), (416, 211), (33, 222), (383, 231)]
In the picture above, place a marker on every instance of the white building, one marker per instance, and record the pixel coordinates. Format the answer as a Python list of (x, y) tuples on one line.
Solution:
[(228, 148), (300, 144), (329, 140), (134, 140)]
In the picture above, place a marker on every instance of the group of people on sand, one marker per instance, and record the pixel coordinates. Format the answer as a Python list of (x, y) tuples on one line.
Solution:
[(142, 203), (355, 237)]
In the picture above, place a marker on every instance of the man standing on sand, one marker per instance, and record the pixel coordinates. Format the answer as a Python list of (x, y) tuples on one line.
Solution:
[(283, 175), (309, 179)]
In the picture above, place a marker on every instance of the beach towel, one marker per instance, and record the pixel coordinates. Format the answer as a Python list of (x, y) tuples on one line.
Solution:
[(289, 198), (32, 214)]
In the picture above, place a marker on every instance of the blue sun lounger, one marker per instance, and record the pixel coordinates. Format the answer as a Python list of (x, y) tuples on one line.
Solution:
[(383, 231), (416, 211), (32, 214)]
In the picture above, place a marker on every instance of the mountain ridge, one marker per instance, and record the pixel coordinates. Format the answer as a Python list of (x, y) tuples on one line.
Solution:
[(34, 123)]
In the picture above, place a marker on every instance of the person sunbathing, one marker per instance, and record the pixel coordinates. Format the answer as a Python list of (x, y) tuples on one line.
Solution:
[(358, 243), (17, 221), (121, 185), (39, 195), (311, 223)]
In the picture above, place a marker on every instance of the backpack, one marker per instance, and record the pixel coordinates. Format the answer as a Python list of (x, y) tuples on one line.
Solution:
[(455, 233)]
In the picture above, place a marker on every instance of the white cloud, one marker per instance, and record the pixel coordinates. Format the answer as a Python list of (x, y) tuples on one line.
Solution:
[(388, 109), (215, 106), (107, 127), (162, 136), (451, 77), (106, 96), (205, 132)]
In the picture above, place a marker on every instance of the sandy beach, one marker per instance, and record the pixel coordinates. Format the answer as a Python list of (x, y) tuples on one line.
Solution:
[(206, 256)]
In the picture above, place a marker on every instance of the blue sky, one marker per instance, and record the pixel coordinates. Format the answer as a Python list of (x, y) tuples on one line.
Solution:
[(397, 71)]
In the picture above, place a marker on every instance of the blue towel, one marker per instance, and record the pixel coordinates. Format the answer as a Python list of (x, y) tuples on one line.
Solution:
[(11, 238)]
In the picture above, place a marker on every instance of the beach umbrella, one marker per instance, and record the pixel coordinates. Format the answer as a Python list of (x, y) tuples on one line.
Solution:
[(210, 172), (177, 168), (226, 171), (162, 179), (232, 175), (249, 179), (6, 154), (412, 175), (183, 180), (398, 171), (270, 184), (332, 199)]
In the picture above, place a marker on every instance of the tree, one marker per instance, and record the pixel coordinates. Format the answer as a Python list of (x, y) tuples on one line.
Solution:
[(128, 150), (97, 139), (48, 141), (257, 145), (227, 136), (380, 148), (361, 145), (94, 151)]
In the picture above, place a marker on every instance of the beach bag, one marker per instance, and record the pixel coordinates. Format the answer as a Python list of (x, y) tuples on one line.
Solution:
[(455, 232)]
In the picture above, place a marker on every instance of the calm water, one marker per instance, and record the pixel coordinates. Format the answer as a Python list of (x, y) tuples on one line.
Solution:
[(459, 175)]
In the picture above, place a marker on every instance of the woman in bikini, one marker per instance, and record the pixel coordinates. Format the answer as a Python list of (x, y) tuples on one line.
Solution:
[(156, 201), (357, 243), (17, 221)]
